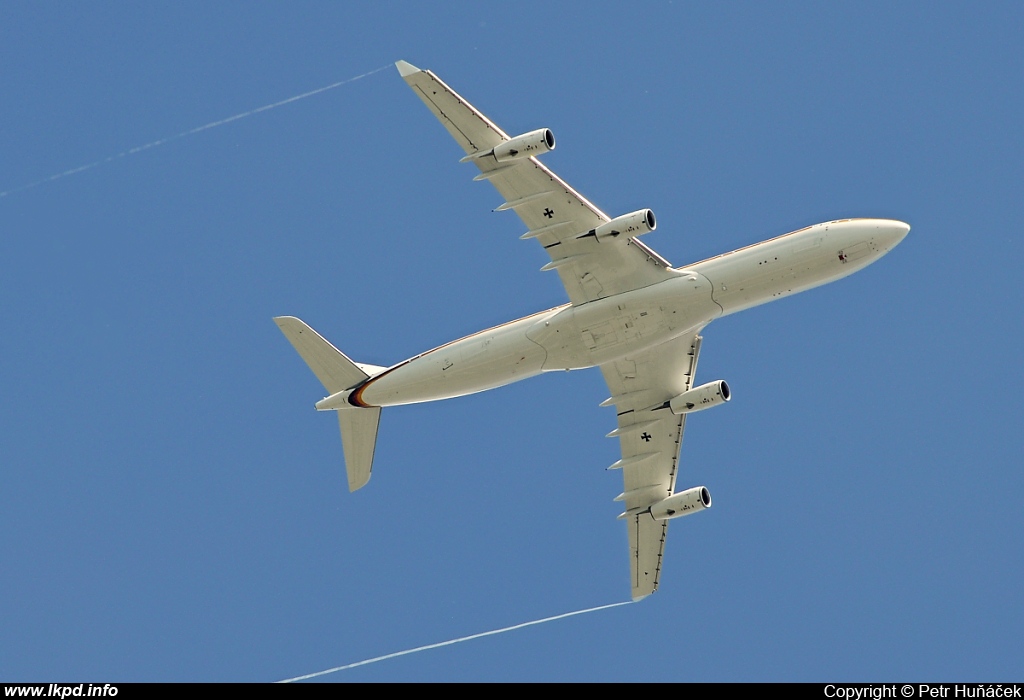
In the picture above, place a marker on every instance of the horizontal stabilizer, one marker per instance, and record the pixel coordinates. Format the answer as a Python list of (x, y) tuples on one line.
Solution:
[(338, 373), (330, 365), (358, 439)]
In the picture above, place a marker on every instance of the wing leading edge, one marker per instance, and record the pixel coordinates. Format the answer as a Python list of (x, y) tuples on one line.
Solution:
[(554, 212)]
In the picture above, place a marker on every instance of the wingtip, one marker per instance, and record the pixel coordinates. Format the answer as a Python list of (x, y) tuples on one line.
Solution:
[(405, 68)]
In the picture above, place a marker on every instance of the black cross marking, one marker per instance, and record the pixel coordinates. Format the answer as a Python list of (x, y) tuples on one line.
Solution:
[(548, 213), (646, 437)]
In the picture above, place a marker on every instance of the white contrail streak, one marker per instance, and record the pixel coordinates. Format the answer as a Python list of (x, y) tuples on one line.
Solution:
[(453, 641), (183, 134)]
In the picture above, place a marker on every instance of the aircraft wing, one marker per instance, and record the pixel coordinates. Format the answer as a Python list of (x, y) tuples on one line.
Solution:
[(650, 441), (553, 211)]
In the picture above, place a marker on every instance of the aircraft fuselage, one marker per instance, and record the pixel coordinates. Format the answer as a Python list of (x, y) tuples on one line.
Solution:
[(586, 335)]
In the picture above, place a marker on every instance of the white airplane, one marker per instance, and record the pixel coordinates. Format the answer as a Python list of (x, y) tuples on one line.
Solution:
[(630, 313)]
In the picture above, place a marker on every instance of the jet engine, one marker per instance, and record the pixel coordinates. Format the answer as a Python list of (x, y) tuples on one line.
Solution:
[(531, 144), (704, 396), (628, 225), (684, 503)]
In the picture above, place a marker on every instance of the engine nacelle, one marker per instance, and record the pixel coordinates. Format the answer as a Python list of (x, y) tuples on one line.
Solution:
[(684, 503), (628, 226), (704, 396), (531, 144)]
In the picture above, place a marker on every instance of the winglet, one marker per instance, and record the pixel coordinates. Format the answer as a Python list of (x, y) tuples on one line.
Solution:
[(405, 68)]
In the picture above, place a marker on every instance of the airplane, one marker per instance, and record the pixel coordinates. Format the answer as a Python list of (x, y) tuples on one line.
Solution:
[(630, 313)]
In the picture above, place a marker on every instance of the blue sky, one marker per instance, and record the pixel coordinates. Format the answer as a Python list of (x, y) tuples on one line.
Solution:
[(174, 509)]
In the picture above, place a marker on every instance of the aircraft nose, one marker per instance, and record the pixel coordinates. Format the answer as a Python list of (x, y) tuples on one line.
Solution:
[(894, 232)]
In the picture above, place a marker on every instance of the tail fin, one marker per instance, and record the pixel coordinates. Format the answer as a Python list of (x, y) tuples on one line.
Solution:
[(337, 373)]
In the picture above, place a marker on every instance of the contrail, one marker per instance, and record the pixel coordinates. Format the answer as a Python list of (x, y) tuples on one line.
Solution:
[(183, 134), (453, 641)]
